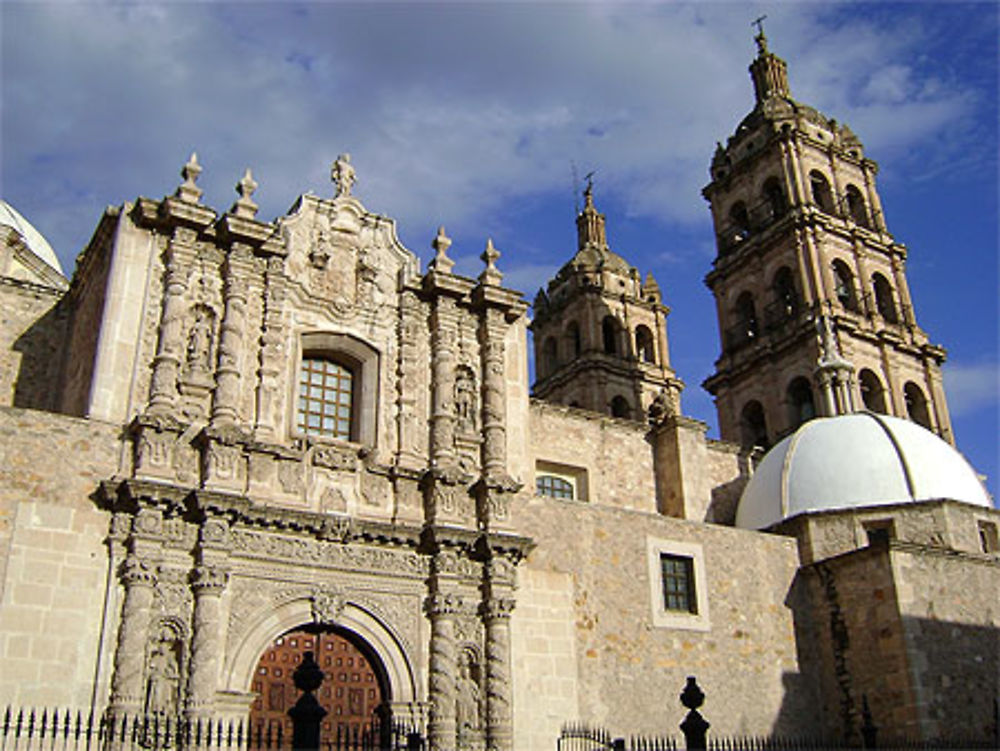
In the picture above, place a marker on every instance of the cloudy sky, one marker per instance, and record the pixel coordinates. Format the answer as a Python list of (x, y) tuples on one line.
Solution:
[(476, 116)]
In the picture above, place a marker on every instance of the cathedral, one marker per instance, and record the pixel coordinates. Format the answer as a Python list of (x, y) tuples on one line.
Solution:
[(272, 437)]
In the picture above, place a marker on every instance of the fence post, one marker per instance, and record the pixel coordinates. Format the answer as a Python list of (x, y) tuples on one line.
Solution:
[(618, 744), (307, 713), (695, 727)]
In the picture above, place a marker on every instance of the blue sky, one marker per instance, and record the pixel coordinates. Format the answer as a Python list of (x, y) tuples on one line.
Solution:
[(473, 116)]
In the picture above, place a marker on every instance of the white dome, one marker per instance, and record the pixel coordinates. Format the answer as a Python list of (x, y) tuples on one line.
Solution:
[(36, 243), (852, 461)]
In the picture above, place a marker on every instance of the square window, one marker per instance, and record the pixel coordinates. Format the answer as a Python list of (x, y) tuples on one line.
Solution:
[(677, 573), (677, 585)]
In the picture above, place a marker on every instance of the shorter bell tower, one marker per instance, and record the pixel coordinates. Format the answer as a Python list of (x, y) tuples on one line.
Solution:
[(600, 332)]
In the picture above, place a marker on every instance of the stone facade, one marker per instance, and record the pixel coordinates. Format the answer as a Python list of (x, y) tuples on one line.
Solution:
[(264, 427)]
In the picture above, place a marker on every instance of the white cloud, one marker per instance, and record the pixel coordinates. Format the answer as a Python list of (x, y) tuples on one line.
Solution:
[(971, 386)]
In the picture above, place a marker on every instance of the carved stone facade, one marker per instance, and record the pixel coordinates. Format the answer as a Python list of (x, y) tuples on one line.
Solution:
[(275, 428)]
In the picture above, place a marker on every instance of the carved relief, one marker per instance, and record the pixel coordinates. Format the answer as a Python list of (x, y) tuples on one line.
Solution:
[(327, 606), (335, 458), (333, 500), (311, 551), (291, 477)]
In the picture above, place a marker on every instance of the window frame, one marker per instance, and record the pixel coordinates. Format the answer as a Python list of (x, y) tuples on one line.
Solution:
[(662, 617), (576, 477), (357, 356), (329, 401)]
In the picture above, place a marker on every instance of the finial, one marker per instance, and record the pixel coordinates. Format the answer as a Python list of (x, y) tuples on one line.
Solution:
[(759, 37), (343, 175), (244, 206), (490, 275), (588, 192), (188, 191), (441, 262)]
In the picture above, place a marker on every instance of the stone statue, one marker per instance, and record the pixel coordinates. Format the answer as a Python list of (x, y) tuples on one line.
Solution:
[(199, 349), (468, 701), (659, 409), (465, 400), (164, 674), (343, 175)]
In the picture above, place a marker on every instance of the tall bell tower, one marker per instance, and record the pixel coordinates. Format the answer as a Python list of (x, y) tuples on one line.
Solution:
[(803, 249), (600, 332)]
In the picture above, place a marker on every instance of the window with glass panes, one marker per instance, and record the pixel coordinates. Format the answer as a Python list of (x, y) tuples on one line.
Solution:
[(324, 398), (554, 487), (678, 583)]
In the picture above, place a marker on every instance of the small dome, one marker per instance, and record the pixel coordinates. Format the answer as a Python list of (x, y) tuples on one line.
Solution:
[(852, 461), (37, 244)]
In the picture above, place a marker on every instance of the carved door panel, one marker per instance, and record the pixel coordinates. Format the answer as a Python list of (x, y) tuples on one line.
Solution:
[(350, 693)]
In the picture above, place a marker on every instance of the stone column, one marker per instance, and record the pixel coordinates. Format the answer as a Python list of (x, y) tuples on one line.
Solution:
[(407, 382), (442, 607), (271, 347), (170, 347), (138, 574), (227, 378), (491, 333), (499, 718), (208, 583), (906, 303), (443, 336)]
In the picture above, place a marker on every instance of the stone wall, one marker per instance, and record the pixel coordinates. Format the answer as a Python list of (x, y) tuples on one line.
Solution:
[(597, 445), (53, 563), (912, 629), (592, 563), (32, 328)]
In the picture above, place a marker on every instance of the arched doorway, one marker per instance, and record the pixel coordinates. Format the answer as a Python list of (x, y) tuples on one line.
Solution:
[(354, 690)]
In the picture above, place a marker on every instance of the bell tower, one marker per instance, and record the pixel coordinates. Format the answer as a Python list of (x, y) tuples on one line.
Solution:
[(804, 254), (600, 332)]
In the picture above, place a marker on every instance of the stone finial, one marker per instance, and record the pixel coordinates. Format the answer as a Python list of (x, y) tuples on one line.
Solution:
[(491, 274), (441, 262), (343, 175), (188, 191), (244, 206)]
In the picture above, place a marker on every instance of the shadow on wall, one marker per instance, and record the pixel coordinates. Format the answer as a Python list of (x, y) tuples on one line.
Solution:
[(924, 679), (41, 347)]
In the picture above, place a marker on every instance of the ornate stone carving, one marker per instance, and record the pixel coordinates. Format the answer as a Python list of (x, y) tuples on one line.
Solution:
[(328, 554), (138, 576), (336, 529), (215, 533), (137, 571), (209, 579), (335, 458), (148, 522), (327, 606), (201, 339)]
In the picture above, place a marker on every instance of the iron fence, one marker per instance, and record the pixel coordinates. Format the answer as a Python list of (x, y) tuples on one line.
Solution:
[(68, 730)]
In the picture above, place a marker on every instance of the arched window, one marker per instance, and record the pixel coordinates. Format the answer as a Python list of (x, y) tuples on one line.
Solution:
[(550, 356), (746, 317), (843, 280), (872, 391), (916, 404), (784, 291), (856, 206), (821, 194), (753, 426), (801, 407), (883, 298), (644, 344), (739, 222), (620, 407), (573, 338), (774, 197), (326, 396), (609, 334)]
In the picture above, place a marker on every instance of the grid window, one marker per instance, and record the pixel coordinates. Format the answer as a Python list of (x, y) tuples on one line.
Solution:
[(555, 487), (678, 583), (325, 389)]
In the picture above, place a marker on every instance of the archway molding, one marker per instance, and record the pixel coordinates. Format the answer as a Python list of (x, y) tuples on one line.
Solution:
[(276, 619)]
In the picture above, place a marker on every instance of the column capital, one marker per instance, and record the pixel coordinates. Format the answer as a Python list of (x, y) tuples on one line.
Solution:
[(211, 580), (137, 572)]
